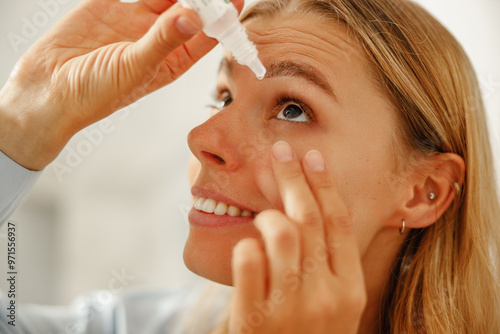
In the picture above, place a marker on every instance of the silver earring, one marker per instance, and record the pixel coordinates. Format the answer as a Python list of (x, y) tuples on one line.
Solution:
[(457, 187), (432, 196), (402, 228)]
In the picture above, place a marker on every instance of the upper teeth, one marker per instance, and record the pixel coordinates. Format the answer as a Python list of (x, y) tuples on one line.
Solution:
[(209, 205)]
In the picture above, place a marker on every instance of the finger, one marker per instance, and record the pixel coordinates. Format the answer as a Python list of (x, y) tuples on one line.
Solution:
[(238, 4), (157, 6), (195, 48), (345, 259), (341, 243), (282, 246), (249, 274), (171, 30), (323, 185), (298, 200), (188, 54)]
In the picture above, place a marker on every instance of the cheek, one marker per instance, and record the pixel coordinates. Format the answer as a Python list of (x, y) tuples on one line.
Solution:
[(362, 184)]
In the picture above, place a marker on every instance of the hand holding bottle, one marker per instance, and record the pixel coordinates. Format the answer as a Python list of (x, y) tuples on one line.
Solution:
[(101, 56)]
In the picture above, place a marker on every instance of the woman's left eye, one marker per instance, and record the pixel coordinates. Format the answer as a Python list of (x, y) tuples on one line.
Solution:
[(293, 113)]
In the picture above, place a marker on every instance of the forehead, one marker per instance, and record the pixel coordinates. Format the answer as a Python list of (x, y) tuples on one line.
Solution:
[(323, 44)]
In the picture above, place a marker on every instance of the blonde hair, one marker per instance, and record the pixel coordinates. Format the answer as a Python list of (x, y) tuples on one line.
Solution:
[(445, 279)]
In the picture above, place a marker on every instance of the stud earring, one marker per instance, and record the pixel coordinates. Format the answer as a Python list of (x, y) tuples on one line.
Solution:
[(457, 187), (402, 228), (432, 196)]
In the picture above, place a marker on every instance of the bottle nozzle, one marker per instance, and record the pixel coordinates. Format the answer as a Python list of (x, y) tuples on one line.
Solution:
[(258, 68)]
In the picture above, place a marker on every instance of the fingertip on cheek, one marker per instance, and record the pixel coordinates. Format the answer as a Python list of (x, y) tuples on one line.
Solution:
[(314, 161), (282, 151)]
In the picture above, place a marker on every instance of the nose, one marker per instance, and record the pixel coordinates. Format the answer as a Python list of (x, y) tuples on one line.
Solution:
[(215, 142)]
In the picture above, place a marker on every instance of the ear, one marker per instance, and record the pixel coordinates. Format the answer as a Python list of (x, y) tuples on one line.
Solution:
[(441, 175)]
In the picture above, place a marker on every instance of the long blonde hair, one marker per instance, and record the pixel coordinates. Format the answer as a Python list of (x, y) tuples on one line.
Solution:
[(446, 277)]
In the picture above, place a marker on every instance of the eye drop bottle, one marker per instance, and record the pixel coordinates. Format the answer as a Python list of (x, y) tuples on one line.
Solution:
[(220, 21)]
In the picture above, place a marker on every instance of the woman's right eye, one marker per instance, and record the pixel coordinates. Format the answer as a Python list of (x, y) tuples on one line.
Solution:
[(224, 99)]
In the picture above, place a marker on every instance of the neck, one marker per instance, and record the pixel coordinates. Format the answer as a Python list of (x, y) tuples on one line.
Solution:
[(377, 262)]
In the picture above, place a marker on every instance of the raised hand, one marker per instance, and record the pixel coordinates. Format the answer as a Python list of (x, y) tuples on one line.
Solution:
[(306, 277), (103, 55)]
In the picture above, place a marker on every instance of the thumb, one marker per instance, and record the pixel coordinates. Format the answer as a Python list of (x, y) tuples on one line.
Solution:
[(172, 29)]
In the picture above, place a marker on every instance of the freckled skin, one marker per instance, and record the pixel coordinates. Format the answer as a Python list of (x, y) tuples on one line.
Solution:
[(353, 132)]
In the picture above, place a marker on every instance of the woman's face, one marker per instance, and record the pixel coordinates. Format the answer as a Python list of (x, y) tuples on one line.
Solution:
[(318, 94)]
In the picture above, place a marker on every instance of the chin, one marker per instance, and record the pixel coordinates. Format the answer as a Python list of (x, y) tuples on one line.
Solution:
[(211, 260), (208, 250)]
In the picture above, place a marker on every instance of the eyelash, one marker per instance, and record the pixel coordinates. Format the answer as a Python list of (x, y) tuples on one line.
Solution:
[(282, 101)]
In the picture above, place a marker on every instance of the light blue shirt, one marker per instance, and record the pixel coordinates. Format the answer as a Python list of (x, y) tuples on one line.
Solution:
[(105, 312), (15, 184)]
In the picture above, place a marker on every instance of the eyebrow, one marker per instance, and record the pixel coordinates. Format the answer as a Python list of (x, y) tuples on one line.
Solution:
[(288, 69)]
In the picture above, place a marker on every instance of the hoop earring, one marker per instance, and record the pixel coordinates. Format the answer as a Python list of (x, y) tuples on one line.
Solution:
[(402, 228)]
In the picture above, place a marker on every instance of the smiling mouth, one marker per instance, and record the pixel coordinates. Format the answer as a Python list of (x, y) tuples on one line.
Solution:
[(210, 205)]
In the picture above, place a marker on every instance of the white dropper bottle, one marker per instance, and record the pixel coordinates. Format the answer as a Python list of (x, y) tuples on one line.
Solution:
[(220, 21)]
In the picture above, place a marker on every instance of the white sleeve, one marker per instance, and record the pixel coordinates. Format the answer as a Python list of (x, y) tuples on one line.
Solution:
[(89, 314), (15, 184), (139, 311)]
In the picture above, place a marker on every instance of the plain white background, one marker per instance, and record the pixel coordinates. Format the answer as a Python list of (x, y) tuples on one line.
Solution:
[(122, 207)]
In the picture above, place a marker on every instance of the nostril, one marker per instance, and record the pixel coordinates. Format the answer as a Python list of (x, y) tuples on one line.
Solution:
[(219, 158), (213, 157)]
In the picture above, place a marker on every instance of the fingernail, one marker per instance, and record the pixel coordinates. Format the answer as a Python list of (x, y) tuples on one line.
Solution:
[(314, 161), (186, 26), (282, 151)]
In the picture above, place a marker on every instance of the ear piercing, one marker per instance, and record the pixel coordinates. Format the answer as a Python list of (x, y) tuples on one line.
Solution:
[(433, 196), (402, 228)]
